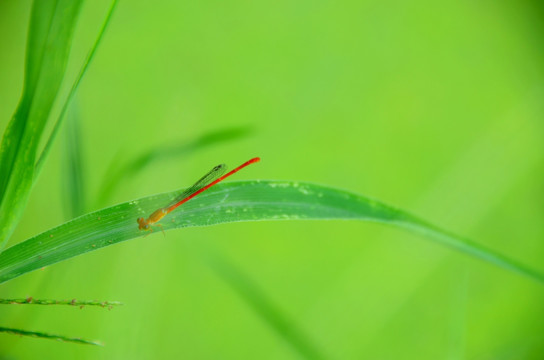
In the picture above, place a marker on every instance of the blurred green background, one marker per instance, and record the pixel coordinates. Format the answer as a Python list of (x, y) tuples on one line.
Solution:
[(435, 107)]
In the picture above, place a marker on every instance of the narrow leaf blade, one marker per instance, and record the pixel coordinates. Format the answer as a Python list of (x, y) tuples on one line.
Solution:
[(230, 202), (119, 173), (43, 335)]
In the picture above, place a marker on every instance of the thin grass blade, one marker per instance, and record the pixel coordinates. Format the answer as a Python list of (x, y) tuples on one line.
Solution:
[(119, 173), (43, 335), (258, 300), (74, 177)]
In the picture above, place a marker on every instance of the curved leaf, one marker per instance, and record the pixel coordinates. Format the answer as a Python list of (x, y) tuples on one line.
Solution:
[(231, 202)]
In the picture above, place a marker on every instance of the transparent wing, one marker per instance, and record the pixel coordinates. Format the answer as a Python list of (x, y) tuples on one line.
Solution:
[(210, 177)]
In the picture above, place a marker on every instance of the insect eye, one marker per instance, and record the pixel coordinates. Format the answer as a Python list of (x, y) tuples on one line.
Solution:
[(146, 227), (139, 220)]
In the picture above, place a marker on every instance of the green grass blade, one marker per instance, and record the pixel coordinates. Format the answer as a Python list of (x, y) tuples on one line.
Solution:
[(257, 299), (51, 28), (231, 202), (43, 335), (74, 177), (73, 90), (119, 173)]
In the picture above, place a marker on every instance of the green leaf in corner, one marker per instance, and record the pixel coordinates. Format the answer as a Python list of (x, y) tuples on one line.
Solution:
[(51, 28)]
